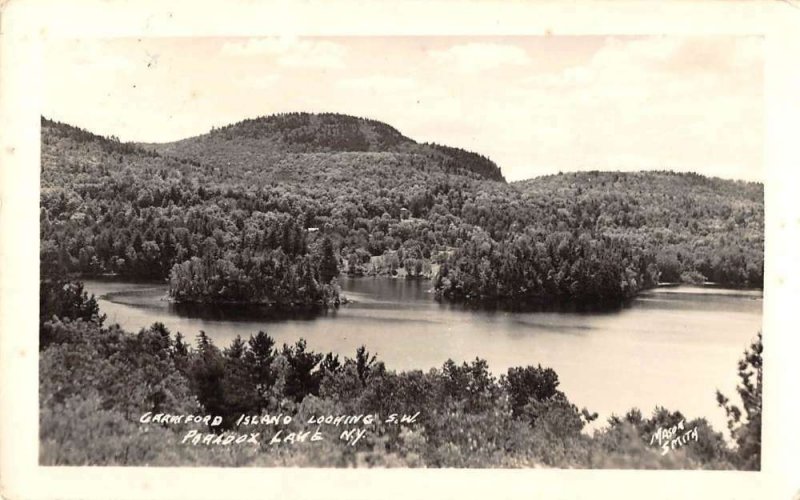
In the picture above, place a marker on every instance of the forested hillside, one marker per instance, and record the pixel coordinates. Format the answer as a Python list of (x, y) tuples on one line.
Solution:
[(595, 237), (269, 211), (261, 142)]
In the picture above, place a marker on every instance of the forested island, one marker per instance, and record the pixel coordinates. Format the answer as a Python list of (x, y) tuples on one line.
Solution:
[(270, 211)]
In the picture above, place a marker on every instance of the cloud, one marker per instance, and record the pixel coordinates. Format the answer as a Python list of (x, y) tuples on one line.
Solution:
[(659, 102), (87, 59), (259, 81), (640, 70), (476, 57), (379, 83), (290, 52), (682, 57)]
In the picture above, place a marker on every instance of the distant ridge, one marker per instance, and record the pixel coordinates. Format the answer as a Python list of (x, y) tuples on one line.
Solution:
[(258, 139), (666, 180), (53, 130)]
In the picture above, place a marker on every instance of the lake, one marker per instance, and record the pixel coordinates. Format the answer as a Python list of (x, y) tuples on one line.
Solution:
[(672, 346)]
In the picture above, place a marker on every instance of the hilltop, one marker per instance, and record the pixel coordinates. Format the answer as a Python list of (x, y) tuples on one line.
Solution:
[(260, 142)]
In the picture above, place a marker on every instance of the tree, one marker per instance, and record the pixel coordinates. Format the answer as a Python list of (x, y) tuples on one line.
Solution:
[(303, 378), (747, 431), (65, 300), (530, 383), (364, 363), (236, 350), (329, 266), (259, 356), (207, 372)]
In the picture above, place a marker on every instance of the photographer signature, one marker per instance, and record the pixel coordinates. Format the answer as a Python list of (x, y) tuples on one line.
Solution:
[(672, 438)]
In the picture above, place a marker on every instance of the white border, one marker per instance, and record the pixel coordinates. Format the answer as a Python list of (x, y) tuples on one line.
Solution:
[(24, 23)]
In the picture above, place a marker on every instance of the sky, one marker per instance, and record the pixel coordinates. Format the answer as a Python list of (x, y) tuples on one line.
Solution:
[(535, 105)]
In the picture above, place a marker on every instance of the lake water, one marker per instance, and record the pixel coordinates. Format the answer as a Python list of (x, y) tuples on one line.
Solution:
[(671, 347)]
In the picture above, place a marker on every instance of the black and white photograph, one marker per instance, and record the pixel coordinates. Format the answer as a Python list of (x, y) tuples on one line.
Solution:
[(455, 251), (403, 252)]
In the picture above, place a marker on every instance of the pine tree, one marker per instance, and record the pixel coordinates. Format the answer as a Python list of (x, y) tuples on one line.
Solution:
[(747, 431), (328, 267)]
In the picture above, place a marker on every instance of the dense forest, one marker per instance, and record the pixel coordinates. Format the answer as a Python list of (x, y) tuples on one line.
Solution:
[(270, 211), (96, 382)]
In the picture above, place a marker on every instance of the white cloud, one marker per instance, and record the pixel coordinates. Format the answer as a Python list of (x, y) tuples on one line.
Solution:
[(657, 57), (661, 102), (88, 59), (662, 71), (259, 81), (291, 52), (379, 83), (476, 57)]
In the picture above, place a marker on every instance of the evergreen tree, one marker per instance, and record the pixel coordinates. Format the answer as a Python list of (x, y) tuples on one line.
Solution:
[(329, 266), (745, 423)]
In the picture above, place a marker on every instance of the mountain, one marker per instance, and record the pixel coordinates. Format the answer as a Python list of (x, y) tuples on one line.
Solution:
[(295, 199), (262, 141)]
